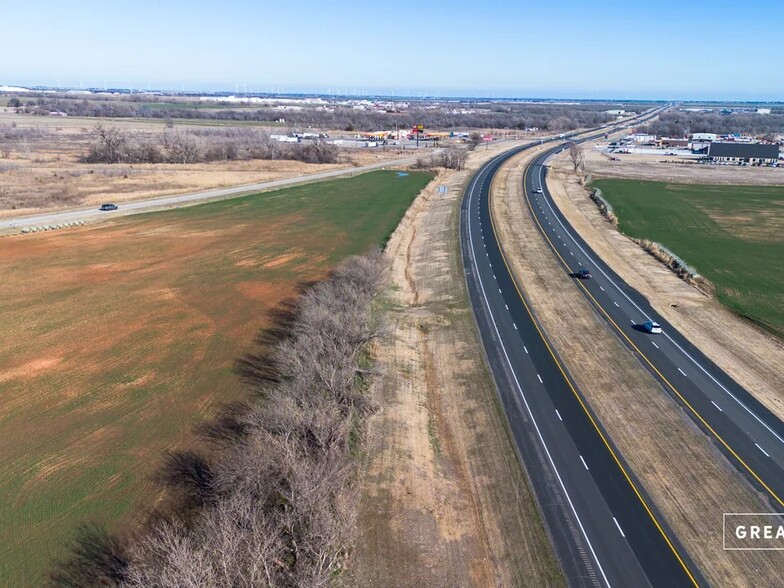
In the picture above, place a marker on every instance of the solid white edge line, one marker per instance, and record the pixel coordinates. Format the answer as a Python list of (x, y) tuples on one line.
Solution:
[(681, 349), (619, 528), (525, 400)]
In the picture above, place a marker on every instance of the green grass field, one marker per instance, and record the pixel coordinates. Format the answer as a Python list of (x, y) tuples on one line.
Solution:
[(732, 235), (117, 339)]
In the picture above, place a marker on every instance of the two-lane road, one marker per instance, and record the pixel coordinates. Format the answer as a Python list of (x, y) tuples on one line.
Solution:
[(747, 432), (606, 531)]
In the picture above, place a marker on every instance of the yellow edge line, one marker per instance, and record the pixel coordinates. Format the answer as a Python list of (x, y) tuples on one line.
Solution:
[(577, 396), (653, 367)]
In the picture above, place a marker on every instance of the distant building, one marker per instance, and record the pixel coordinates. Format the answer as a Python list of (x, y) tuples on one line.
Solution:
[(643, 138), (763, 111), (700, 137), (743, 152), (615, 112), (670, 142)]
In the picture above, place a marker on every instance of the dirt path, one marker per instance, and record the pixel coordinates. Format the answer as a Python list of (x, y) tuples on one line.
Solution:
[(445, 502), (675, 462), (753, 357)]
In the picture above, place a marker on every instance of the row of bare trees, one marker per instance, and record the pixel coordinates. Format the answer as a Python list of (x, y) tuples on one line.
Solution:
[(449, 158), (273, 501), (449, 115), (683, 123), (115, 145)]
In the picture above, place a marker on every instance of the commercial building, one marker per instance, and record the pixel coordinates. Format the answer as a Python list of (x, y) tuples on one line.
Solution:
[(674, 142), (743, 152)]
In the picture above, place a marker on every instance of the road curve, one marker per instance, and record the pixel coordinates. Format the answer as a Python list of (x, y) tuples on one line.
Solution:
[(746, 431), (605, 529)]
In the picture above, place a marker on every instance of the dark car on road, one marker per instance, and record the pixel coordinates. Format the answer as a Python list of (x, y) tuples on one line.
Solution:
[(108, 207), (583, 274)]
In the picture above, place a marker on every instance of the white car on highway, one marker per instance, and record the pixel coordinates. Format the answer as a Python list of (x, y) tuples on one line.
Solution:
[(651, 327)]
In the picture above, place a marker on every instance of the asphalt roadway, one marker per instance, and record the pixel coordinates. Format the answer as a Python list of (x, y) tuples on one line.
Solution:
[(741, 427), (605, 528)]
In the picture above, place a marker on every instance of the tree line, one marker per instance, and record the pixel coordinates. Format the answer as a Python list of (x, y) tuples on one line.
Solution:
[(115, 145), (549, 117), (272, 499), (682, 123)]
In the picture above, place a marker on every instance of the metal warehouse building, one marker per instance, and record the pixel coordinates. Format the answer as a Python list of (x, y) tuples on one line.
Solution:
[(743, 152)]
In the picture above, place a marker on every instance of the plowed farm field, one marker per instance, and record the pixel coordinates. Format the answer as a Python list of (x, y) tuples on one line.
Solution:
[(115, 340)]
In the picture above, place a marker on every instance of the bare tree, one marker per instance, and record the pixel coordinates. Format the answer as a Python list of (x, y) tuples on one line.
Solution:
[(576, 156), (454, 158), (474, 140)]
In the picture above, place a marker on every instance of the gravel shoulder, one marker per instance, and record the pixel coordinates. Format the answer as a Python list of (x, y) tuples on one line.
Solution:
[(444, 499), (685, 475)]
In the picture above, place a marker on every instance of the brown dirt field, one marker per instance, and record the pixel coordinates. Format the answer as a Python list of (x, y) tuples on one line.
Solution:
[(43, 173), (444, 500), (650, 167), (752, 356), (674, 468)]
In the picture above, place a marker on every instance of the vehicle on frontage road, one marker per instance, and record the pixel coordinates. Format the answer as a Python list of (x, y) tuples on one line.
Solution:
[(108, 206)]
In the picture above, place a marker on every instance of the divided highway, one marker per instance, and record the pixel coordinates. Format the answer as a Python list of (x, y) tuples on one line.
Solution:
[(605, 528), (606, 532)]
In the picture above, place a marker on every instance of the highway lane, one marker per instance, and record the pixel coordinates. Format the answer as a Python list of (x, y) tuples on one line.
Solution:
[(747, 432), (606, 531)]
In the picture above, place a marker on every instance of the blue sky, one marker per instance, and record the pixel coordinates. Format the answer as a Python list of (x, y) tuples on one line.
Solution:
[(687, 49)]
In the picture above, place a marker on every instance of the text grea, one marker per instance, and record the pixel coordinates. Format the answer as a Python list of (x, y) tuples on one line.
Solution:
[(759, 531)]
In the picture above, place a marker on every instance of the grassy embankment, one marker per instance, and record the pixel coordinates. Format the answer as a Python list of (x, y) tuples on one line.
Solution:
[(117, 339), (732, 235)]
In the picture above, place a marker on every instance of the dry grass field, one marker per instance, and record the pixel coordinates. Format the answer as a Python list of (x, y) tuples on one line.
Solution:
[(39, 167), (445, 500), (116, 340)]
